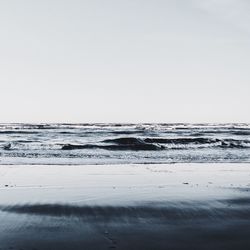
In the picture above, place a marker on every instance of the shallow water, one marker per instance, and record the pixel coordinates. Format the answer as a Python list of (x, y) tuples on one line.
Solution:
[(195, 226), (123, 143), (172, 206)]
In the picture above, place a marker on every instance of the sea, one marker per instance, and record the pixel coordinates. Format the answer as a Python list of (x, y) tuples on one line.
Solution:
[(105, 143)]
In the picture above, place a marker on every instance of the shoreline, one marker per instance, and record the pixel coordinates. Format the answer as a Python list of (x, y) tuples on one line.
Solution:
[(171, 206)]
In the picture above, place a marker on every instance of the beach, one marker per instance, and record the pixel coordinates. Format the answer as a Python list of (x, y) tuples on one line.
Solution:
[(135, 206), (125, 125)]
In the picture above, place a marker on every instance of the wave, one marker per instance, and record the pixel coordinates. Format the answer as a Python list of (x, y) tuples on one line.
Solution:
[(17, 132), (241, 132), (134, 146), (130, 143), (182, 140), (133, 143), (127, 132), (124, 143), (202, 141)]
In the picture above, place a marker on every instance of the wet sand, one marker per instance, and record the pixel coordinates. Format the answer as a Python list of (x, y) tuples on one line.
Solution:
[(177, 206)]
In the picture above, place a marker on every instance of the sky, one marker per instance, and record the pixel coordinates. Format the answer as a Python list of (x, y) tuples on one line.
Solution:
[(125, 61)]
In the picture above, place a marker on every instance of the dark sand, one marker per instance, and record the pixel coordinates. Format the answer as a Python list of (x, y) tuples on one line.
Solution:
[(189, 206)]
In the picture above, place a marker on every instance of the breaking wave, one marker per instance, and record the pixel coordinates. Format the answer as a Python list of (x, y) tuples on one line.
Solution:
[(133, 143)]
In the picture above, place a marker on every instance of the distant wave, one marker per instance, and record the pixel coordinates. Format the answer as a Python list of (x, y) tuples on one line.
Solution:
[(17, 132), (241, 132)]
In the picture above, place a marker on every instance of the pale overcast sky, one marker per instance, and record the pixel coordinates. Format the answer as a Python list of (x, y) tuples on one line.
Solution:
[(125, 60)]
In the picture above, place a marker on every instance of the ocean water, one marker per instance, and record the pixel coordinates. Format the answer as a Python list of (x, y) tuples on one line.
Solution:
[(78, 144)]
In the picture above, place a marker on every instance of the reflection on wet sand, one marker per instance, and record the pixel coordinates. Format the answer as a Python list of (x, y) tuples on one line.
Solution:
[(125, 207)]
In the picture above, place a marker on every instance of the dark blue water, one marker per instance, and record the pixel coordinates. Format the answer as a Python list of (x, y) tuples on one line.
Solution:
[(123, 143)]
